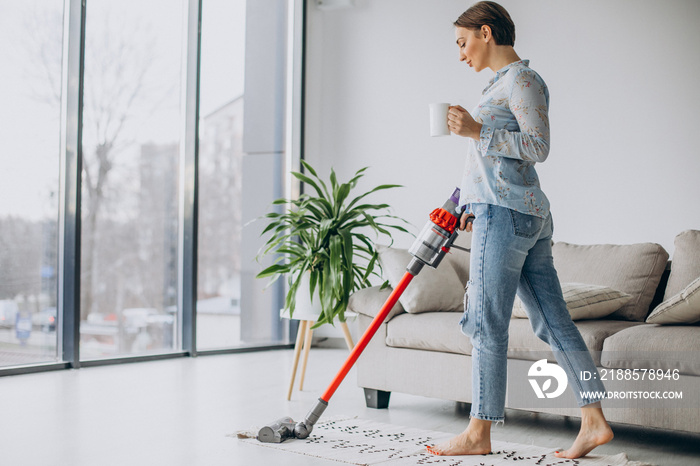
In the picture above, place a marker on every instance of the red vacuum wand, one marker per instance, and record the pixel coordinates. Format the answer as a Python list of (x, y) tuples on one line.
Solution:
[(431, 245), (367, 336)]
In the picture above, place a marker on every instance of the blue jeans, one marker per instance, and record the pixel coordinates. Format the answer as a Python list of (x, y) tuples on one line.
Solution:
[(512, 253)]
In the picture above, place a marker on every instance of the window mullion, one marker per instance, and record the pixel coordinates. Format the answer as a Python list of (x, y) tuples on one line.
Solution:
[(70, 181), (187, 273)]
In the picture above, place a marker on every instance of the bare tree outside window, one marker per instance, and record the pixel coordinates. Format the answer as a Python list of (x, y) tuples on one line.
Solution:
[(131, 131), (29, 116), (129, 179)]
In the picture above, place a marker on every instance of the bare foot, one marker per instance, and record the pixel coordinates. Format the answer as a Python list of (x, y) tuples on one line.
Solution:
[(466, 443), (588, 438)]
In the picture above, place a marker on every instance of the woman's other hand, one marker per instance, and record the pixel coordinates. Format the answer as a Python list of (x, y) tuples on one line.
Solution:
[(460, 122), (463, 224)]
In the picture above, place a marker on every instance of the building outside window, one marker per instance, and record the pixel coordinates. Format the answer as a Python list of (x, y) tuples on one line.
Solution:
[(222, 87)]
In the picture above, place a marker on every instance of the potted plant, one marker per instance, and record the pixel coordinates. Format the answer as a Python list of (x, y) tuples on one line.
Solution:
[(321, 237)]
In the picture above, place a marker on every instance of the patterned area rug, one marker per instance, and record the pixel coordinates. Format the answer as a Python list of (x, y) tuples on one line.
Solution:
[(360, 442)]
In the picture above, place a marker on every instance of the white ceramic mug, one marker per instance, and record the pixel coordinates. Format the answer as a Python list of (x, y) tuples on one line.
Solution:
[(438, 119)]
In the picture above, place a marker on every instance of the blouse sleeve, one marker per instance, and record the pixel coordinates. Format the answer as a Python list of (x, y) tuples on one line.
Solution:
[(529, 104)]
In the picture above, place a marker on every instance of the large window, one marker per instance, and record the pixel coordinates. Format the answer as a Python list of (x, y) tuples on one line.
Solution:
[(131, 137), (240, 159), (220, 174), (129, 149), (30, 92)]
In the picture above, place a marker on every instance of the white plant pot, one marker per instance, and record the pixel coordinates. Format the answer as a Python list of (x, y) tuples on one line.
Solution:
[(307, 307), (310, 309)]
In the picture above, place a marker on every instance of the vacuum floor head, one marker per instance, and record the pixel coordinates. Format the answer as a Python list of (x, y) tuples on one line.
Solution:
[(278, 431)]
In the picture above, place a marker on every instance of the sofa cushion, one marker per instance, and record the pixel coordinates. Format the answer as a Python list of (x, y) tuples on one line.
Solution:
[(584, 301), (651, 346), (686, 262), (432, 331), (369, 301), (431, 290), (524, 344), (439, 331), (634, 269), (683, 308), (460, 259)]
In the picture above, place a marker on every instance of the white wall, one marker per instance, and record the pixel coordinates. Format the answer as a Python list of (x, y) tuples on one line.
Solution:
[(623, 78)]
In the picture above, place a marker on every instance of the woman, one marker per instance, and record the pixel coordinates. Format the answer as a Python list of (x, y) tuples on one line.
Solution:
[(511, 233)]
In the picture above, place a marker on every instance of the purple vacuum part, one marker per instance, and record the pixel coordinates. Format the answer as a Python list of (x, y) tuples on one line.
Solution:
[(455, 196)]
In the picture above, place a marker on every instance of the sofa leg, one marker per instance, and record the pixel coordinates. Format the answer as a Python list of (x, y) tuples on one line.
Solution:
[(463, 407), (377, 399)]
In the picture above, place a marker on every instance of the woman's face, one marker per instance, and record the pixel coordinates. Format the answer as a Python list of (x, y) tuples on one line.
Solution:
[(472, 48)]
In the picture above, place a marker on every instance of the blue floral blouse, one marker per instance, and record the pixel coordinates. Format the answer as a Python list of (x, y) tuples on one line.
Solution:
[(500, 168)]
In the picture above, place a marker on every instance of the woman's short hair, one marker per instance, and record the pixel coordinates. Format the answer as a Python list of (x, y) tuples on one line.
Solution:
[(492, 15)]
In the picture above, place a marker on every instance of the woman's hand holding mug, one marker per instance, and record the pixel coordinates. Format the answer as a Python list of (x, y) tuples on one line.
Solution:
[(460, 122)]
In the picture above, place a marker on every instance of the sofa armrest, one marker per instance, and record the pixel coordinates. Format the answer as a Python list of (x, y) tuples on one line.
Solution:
[(369, 301)]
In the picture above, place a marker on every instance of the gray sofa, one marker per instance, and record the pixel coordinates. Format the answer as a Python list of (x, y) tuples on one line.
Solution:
[(425, 353)]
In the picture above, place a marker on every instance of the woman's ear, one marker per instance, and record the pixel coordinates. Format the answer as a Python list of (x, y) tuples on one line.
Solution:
[(486, 33)]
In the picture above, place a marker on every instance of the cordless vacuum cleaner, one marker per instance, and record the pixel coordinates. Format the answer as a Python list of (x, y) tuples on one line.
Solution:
[(431, 245)]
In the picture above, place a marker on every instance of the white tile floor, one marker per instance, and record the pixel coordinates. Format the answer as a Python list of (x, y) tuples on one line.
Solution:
[(180, 411)]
